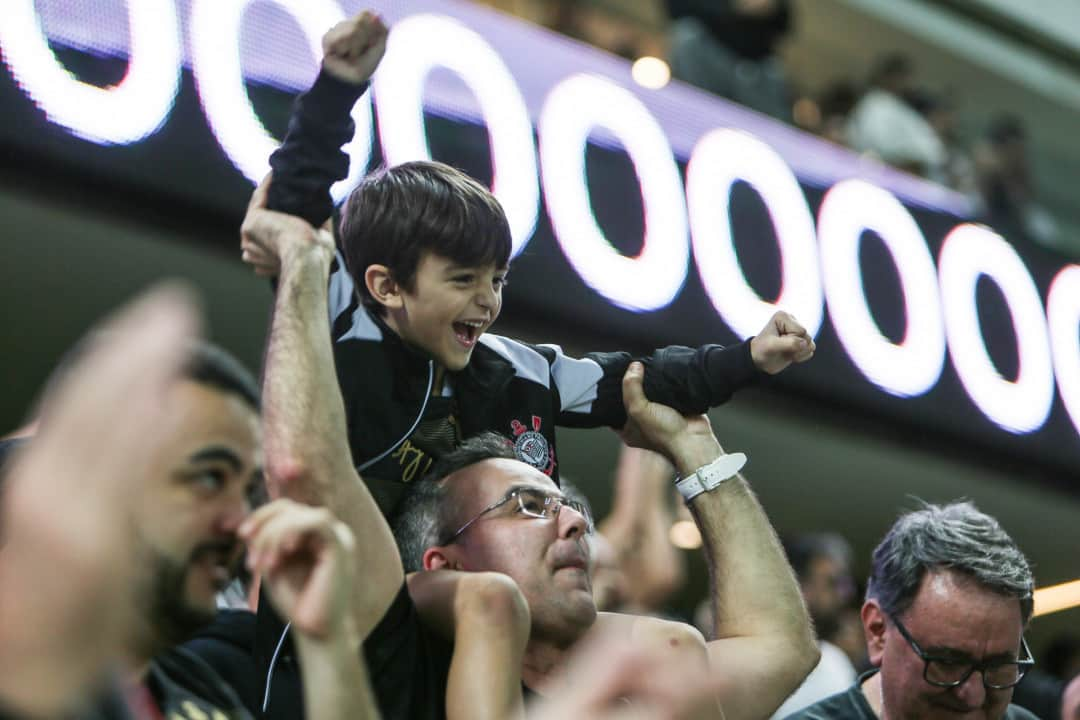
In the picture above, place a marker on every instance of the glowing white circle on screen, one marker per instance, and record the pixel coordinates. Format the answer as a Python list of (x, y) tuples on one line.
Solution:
[(123, 113), (216, 63), (912, 366), (572, 110), (421, 43), (971, 251), (1063, 319), (719, 159)]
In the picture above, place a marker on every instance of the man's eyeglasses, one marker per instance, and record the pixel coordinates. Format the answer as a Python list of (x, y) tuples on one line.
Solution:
[(950, 672), (531, 503)]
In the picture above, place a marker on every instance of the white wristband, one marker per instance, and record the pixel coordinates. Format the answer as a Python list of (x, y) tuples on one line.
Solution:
[(708, 477)]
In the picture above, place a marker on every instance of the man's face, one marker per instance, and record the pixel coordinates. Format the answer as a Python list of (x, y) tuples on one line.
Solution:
[(547, 557), (952, 617), (448, 308), (195, 500)]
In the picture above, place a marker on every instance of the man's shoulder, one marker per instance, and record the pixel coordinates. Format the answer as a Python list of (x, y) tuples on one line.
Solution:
[(848, 705), (649, 629)]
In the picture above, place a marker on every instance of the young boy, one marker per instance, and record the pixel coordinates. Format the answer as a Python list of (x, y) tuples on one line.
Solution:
[(424, 255)]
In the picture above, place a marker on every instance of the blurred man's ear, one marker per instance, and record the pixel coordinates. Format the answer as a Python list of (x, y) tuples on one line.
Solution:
[(875, 623)]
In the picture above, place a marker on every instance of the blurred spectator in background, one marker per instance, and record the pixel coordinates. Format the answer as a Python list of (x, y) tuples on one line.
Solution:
[(836, 104), (850, 638), (1045, 687), (1062, 657), (728, 47), (1070, 701), (637, 529), (958, 169), (635, 568), (822, 565), (1007, 187), (884, 123)]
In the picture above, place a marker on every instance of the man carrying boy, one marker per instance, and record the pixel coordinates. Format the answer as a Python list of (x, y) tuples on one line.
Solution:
[(425, 253), (492, 516)]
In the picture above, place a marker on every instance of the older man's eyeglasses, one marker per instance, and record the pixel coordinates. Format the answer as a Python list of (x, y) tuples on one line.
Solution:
[(529, 502), (948, 672)]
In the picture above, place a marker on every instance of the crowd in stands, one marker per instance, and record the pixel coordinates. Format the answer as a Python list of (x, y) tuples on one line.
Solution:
[(382, 527), (733, 48), (729, 47)]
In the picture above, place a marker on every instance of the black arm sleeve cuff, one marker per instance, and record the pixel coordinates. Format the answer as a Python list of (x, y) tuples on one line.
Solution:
[(310, 159), (691, 380)]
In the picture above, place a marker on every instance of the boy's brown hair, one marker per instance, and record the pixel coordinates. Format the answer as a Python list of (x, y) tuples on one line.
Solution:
[(398, 214)]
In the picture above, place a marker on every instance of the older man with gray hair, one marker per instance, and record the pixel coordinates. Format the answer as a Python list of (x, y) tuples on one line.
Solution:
[(947, 602)]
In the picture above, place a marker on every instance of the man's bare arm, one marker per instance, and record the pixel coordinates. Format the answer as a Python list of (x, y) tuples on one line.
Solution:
[(307, 451), (486, 617), (764, 644)]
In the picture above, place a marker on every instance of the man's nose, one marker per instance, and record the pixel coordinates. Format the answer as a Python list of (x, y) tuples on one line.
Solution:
[(972, 692), (571, 522), (235, 510)]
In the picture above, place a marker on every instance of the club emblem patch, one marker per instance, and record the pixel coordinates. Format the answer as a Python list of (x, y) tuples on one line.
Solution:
[(532, 447)]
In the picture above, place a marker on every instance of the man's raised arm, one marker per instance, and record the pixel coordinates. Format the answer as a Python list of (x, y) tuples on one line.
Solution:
[(764, 644), (307, 452)]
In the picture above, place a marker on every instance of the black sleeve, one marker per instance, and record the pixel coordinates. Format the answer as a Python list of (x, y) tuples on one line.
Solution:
[(310, 159), (409, 665), (691, 380)]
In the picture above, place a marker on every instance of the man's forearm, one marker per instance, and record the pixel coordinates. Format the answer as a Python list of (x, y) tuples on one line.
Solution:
[(304, 417), (763, 637)]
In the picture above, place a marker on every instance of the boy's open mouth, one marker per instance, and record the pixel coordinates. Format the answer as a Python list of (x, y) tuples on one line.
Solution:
[(467, 331)]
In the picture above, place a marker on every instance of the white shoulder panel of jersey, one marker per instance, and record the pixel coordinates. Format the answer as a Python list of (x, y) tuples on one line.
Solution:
[(576, 379), (340, 297), (527, 363), (362, 328), (340, 291)]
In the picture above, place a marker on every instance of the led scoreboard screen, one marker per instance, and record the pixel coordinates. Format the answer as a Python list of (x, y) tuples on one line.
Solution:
[(640, 217)]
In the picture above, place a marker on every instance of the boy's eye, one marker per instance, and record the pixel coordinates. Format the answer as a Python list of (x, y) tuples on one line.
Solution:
[(462, 279), (500, 281)]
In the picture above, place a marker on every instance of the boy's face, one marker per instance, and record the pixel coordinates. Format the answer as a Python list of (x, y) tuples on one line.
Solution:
[(448, 308)]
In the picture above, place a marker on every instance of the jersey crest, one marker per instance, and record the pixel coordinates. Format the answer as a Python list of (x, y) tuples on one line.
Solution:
[(532, 447)]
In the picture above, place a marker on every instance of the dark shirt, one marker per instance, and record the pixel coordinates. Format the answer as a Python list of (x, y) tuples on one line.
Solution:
[(186, 687), (852, 705), (408, 664), (228, 646)]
